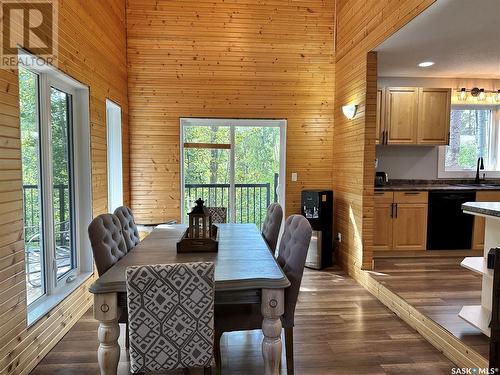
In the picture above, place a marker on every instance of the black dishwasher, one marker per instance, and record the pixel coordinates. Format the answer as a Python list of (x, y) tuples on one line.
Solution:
[(448, 228)]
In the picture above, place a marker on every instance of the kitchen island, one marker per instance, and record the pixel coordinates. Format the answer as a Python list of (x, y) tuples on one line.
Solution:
[(480, 315)]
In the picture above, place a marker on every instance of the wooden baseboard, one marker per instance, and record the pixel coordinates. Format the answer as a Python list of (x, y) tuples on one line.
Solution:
[(459, 353), (427, 253)]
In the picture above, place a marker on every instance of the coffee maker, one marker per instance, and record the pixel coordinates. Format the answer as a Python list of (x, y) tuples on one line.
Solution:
[(317, 208)]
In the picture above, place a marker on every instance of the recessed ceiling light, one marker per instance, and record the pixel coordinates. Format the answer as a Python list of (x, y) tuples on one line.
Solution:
[(426, 64)]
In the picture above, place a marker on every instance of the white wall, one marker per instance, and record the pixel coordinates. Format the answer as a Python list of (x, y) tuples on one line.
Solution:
[(419, 162), (408, 162)]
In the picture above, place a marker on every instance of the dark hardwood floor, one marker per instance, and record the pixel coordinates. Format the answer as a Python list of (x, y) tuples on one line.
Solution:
[(439, 288), (340, 329)]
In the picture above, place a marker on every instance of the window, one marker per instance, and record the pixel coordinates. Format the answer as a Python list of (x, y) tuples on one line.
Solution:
[(473, 134), (235, 164), (114, 138), (55, 152)]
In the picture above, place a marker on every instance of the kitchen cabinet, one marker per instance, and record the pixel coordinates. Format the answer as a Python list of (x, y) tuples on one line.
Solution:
[(433, 125), (479, 222), (414, 116), (401, 115), (382, 238), (400, 220), (380, 123)]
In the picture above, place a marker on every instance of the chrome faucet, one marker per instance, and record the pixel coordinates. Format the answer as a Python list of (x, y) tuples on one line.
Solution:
[(480, 166)]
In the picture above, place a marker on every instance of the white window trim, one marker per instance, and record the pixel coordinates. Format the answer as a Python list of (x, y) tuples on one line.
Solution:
[(232, 123), (494, 145), (115, 188), (56, 291)]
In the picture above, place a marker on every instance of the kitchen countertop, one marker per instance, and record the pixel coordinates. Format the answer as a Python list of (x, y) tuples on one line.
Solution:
[(483, 208), (432, 185)]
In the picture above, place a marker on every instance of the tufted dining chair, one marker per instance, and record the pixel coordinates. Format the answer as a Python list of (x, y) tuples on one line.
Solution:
[(130, 232), (171, 310), (272, 225), (219, 214), (106, 238), (108, 247), (291, 257)]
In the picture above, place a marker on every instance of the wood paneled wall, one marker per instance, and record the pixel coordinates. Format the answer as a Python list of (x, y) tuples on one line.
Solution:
[(360, 26), (92, 49), (228, 59)]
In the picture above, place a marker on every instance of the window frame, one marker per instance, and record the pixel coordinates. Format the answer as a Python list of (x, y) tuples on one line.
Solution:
[(232, 124), (494, 145), (114, 171), (57, 289)]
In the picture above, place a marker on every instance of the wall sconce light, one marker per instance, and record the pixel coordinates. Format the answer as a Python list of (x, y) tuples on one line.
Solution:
[(462, 94), (350, 110)]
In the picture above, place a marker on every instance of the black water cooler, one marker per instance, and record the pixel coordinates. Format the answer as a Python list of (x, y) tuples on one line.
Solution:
[(317, 207)]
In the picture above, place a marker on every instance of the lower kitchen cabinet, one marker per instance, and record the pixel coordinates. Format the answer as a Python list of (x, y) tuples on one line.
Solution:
[(383, 210), (410, 226), (478, 234), (400, 220)]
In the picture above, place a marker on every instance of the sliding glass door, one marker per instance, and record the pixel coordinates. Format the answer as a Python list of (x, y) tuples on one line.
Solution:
[(235, 164), (256, 172)]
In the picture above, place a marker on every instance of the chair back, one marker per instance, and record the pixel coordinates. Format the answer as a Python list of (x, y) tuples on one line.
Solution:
[(129, 228), (219, 214), (108, 245), (171, 316), (272, 225), (292, 258)]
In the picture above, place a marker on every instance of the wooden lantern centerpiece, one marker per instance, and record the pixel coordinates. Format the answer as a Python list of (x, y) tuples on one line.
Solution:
[(201, 235)]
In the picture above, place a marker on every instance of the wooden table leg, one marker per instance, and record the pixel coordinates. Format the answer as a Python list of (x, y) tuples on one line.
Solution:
[(272, 308), (106, 311)]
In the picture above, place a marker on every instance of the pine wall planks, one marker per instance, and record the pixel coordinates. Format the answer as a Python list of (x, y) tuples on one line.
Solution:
[(361, 26), (228, 59), (92, 49)]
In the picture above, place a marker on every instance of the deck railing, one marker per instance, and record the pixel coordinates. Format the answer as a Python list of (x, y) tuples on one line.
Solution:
[(251, 200), (31, 199)]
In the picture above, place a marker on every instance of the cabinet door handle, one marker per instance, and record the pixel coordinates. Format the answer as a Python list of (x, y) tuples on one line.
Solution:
[(396, 210), (392, 210), (412, 193)]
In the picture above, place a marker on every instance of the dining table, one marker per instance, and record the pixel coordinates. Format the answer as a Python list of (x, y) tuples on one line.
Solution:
[(246, 272)]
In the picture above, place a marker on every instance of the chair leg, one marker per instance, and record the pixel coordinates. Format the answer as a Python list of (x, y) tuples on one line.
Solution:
[(217, 353), (289, 350), (127, 342)]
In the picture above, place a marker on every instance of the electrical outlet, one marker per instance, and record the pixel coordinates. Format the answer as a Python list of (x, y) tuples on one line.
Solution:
[(294, 176)]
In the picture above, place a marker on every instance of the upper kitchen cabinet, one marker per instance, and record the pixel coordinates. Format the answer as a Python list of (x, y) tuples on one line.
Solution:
[(413, 116), (380, 130), (433, 116), (401, 108)]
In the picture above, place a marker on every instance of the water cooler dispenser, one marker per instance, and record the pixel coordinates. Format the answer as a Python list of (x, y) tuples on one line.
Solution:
[(317, 207)]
